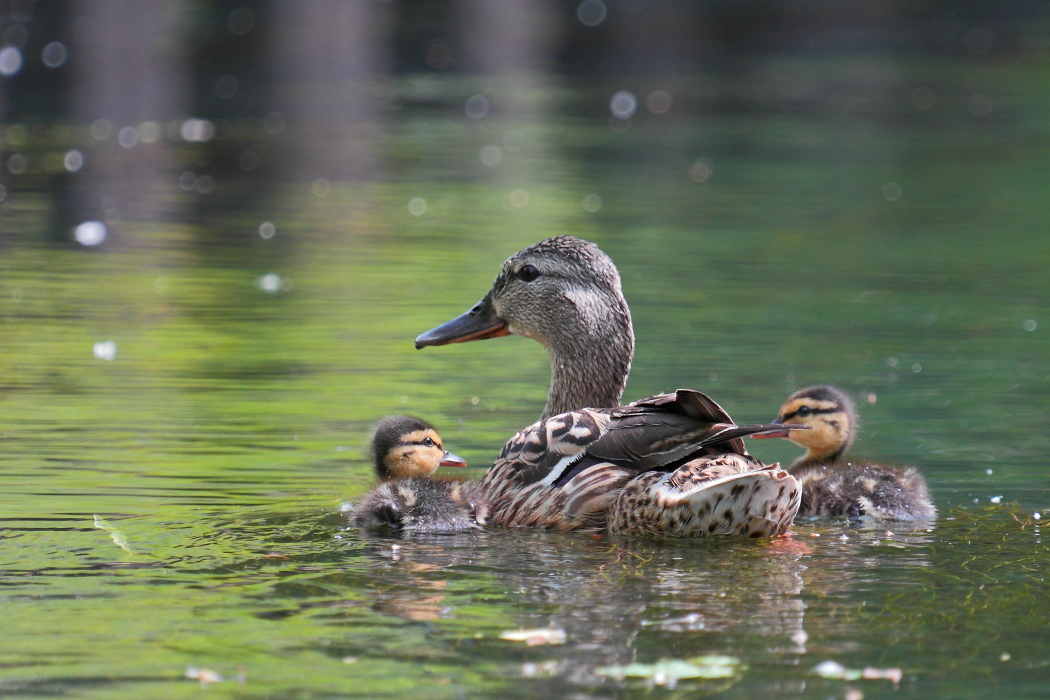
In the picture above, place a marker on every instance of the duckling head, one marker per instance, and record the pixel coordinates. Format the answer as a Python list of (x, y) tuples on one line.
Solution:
[(565, 293), (829, 414), (403, 446)]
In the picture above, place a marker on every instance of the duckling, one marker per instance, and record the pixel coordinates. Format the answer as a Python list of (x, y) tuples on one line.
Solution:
[(833, 486), (673, 464), (406, 451)]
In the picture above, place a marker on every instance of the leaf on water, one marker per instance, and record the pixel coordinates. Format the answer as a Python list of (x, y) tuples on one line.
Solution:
[(668, 672), (535, 637), (114, 533)]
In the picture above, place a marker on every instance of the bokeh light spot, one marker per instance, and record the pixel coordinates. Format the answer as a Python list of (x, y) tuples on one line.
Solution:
[(417, 206), (477, 106), (197, 130), (320, 187), (54, 54), (267, 230), (922, 98), (101, 129), (17, 164), (10, 61), (106, 350), (591, 12), (270, 283), (90, 233), (623, 104), (491, 155), (659, 102), (592, 203), (241, 21), (128, 137), (519, 198), (700, 171), (891, 192), (1030, 325), (73, 161)]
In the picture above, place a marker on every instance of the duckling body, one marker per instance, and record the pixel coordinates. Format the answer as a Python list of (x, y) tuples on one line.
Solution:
[(405, 451), (672, 464), (833, 486)]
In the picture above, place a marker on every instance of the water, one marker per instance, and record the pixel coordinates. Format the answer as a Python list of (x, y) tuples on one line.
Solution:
[(185, 407)]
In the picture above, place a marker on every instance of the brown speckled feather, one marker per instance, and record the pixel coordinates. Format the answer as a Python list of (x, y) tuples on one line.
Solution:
[(568, 472)]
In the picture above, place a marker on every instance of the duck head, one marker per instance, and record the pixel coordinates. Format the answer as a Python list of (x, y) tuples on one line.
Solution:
[(403, 446), (565, 293), (830, 416)]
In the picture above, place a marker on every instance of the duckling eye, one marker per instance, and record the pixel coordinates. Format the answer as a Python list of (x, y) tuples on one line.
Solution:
[(803, 412), (528, 273), (428, 442)]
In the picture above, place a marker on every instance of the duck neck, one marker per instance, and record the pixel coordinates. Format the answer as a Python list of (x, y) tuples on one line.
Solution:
[(589, 368), (815, 457)]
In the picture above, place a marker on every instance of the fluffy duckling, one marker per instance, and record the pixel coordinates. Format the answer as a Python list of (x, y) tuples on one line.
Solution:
[(833, 486), (406, 451)]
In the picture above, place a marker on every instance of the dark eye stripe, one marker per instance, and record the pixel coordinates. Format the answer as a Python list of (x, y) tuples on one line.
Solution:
[(812, 412)]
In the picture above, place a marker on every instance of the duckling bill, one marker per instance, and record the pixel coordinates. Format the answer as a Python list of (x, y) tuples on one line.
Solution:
[(405, 452), (832, 486)]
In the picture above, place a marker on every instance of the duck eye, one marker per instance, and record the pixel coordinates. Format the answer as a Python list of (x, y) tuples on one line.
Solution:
[(528, 273), (428, 442), (803, 412)]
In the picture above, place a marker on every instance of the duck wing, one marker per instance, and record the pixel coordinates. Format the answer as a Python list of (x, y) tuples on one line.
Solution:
[(726, 494), (567, 471)]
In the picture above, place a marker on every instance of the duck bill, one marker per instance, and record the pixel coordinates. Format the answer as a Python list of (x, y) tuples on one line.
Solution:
[(788, 427), (480, 323), (451, 460)]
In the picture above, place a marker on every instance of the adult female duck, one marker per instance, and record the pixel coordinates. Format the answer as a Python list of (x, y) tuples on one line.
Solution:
[(673, 464)]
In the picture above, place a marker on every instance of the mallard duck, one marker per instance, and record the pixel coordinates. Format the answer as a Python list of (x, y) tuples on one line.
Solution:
[(672, 464), (830, 484), (405, 452)]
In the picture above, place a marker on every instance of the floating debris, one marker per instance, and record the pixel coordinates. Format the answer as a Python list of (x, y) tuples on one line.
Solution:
[(207, 676), (836, 671), (669, 671), (114, 533), (535, 637)]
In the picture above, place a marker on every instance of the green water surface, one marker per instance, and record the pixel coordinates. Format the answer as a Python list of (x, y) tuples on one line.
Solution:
[(177, 507)]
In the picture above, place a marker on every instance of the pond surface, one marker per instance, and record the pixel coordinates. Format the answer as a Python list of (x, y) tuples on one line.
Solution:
[(185, 407)]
